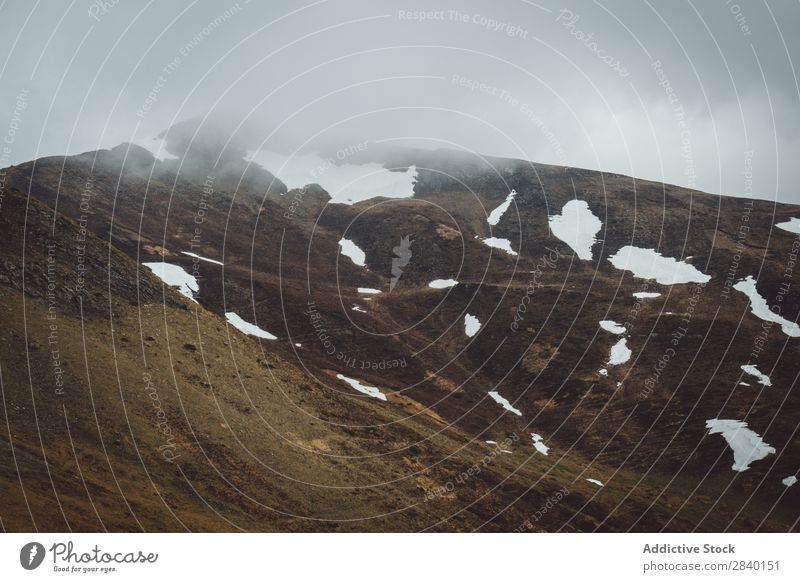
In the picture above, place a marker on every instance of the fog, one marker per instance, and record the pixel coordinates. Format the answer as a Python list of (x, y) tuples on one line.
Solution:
[(703, 95)]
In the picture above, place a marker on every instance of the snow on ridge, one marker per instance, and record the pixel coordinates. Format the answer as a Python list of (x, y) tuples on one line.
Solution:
[(504, 403), (789, 481), (369, 290), (471, 325), (577, 226), (763, 379), (346, 183), (792, 225), (353, 252), (612, 326), (595, 482), (442, 283), (499, 243), (248, 328), (650, 264), (747, 445), (156, 146), (199, 258), (175, 276), (494, 217), (760, 308), (620, 353), (368, 390)]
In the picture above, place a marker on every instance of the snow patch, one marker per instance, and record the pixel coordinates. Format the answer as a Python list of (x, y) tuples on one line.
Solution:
[(368, 390), (763, 379), (538, 444), (792, 225), (612, 326), (471, 325), (602, 372), (789, 481), (351, 250), (620, 353), (747, 445), (595, 482), (248, 328), (357, 308), (498, 212), (759, 307), (649, 264), (442, 283), (646, 295), (503, 402), (499, 243), (368, 290), (577, 227), (175, 276)]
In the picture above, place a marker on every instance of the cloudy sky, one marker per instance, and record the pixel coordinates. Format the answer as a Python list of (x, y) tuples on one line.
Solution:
[(700, 94)]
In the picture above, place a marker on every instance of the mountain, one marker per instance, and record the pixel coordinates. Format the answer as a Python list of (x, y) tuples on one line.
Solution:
[(493, 400)]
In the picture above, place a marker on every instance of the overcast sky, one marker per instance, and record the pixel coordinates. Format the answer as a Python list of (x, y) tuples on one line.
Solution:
[(692, 93)]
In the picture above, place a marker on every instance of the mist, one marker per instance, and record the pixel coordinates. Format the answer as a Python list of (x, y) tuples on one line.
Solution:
[(704, 96)]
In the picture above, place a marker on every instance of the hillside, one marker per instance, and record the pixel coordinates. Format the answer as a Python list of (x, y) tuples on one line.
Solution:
[(261, 434)]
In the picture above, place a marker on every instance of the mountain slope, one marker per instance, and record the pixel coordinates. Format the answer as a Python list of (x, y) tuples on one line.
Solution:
[(638, 427)]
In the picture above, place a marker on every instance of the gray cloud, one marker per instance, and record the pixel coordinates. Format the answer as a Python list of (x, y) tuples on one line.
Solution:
[(567, 83)]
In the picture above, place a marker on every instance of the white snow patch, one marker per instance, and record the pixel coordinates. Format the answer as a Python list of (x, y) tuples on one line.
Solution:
[(298, 345), (503, 402), (351, 250), (603, 372), (498, 212), (499, 243), (612, 326), (471, 325), (620, 353), (646, 294), (175, 276), (759, 307), (577, 227), (538, 444), (763, 379), (743, 384), (789, 481), (747, 445), (368, 290), (368, 390), (596, 482), (792, 225), (491, 442), (442, 283), (649, 264), (357, 308), (198, 257), (346, 183), (247, 328)]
